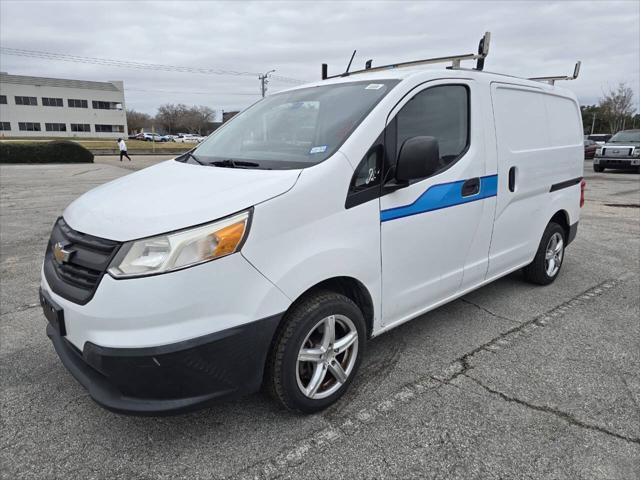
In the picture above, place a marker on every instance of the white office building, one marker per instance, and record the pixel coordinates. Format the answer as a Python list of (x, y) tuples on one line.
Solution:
[(55, 107)]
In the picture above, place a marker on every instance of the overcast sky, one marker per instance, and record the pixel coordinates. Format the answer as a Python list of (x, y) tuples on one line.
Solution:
[(528, 39)]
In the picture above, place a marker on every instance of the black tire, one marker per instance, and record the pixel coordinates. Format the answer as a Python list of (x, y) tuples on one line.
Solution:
[(536, 271), (281, 370), (598, 168)]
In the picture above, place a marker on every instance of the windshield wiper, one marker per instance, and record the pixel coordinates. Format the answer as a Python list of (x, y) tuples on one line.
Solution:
[(189, 154), (234, 164)]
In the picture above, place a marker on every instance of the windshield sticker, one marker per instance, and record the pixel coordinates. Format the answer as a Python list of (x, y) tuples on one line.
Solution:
[(320, 149), (374, 86)]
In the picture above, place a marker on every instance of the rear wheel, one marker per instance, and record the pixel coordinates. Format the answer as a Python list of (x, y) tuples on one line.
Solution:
[(598, 168), (317, 352), (547, 263)]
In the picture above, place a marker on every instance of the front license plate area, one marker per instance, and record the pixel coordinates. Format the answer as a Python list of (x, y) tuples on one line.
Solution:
[(53, 313)]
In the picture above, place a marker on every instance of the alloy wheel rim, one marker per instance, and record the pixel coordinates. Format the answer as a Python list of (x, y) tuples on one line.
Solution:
[(553, 254), (327, 357)]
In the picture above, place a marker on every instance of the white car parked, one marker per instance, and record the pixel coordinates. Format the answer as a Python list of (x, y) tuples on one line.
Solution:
[(188, 138), (316, 219)]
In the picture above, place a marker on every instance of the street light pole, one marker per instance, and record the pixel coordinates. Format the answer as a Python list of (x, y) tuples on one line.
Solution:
[(264, 81)]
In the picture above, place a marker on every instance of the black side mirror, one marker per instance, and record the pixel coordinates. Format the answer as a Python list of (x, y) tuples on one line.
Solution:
[(419, 157)]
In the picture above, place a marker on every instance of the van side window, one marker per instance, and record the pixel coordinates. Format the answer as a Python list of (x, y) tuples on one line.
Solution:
[(365, 183), (368, 172), (441, 112)]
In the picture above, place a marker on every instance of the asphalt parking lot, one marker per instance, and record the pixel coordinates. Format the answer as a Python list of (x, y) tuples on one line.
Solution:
[(511, 381)]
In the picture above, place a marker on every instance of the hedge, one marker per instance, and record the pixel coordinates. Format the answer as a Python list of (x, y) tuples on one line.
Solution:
[(57, 151)]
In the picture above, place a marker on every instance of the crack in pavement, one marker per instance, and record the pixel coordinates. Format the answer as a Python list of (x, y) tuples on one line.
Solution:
[(484, 309), (21, 308), (86, 171), (278, 464), (558, 413)]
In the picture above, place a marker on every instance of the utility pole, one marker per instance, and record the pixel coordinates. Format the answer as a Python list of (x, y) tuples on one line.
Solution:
[(264, 81), (593, 123)]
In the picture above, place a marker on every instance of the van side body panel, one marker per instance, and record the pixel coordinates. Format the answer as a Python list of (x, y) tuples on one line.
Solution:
[(539, 143), (307, 236)]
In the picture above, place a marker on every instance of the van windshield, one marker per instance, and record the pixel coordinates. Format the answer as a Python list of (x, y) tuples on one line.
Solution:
[(292, 130)]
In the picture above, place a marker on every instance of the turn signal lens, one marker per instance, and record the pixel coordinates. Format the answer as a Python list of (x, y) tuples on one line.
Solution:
[(181, 249), (228, 239)]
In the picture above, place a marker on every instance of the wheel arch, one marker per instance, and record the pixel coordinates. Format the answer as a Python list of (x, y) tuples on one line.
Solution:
[(561, 217), (351, 288)]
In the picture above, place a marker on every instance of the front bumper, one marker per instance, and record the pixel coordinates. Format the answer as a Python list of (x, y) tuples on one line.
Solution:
[(173, 378), (617, 162)]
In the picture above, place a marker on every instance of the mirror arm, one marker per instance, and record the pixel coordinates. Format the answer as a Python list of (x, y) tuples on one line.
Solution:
[(393, 185)]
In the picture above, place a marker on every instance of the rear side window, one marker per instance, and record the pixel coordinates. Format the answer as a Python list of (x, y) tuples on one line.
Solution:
[(441, 112)]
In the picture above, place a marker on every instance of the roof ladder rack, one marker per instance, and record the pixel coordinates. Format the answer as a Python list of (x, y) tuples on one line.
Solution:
[(483, 51), (552, 80)]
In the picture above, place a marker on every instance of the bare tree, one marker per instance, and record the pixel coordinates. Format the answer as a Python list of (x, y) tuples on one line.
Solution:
[(201, 117), (136, 121), (180, 118), (171, 117), (617, 106)]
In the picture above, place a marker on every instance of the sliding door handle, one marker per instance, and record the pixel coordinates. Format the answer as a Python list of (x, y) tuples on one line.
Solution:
[(512, 179)]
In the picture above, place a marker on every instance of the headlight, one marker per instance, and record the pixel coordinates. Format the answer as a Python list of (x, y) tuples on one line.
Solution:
[(599, 151), (181, 249), (636, 152)]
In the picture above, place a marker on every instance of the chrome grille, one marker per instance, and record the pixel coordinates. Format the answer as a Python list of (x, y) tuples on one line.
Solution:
[(616, 152)]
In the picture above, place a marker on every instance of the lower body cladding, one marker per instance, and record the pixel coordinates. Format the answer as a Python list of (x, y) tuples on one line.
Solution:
[(631, 163), (212, 355), (174, 378)]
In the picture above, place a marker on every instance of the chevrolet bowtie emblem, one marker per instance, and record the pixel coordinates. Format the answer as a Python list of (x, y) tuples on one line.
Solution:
[(60, 254)]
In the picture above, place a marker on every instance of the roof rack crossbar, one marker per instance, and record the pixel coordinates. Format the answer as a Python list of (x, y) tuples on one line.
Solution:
[(483, 51), (552, 80)]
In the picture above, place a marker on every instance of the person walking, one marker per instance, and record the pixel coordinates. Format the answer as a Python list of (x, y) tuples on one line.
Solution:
[(123, 149)]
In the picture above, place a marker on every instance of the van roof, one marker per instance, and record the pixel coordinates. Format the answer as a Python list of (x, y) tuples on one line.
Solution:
[(423, 73)]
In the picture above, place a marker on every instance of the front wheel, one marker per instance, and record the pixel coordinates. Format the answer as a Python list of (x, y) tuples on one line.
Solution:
[(317, 352), (548, 260), (598, 168)]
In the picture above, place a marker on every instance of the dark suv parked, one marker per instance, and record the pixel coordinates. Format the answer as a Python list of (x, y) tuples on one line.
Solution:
[(622, 151)]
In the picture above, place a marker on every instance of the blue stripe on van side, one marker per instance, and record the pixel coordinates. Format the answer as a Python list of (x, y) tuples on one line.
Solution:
[(440, 196)]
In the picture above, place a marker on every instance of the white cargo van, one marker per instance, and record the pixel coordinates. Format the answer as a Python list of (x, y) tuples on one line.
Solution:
[(318, 218)]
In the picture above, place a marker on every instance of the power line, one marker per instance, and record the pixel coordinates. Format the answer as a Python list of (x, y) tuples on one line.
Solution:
[(134, 65), (189, 92)]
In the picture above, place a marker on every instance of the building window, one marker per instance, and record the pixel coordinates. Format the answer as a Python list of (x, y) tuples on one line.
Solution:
[(75, 103), (51, 102), (26, 101), (55, 127), (5, 127), (3, 99), (110, 128), (100, 105), (80, 127), (29, 126)]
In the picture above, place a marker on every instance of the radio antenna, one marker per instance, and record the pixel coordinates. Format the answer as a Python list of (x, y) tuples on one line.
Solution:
[(346, 72)]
